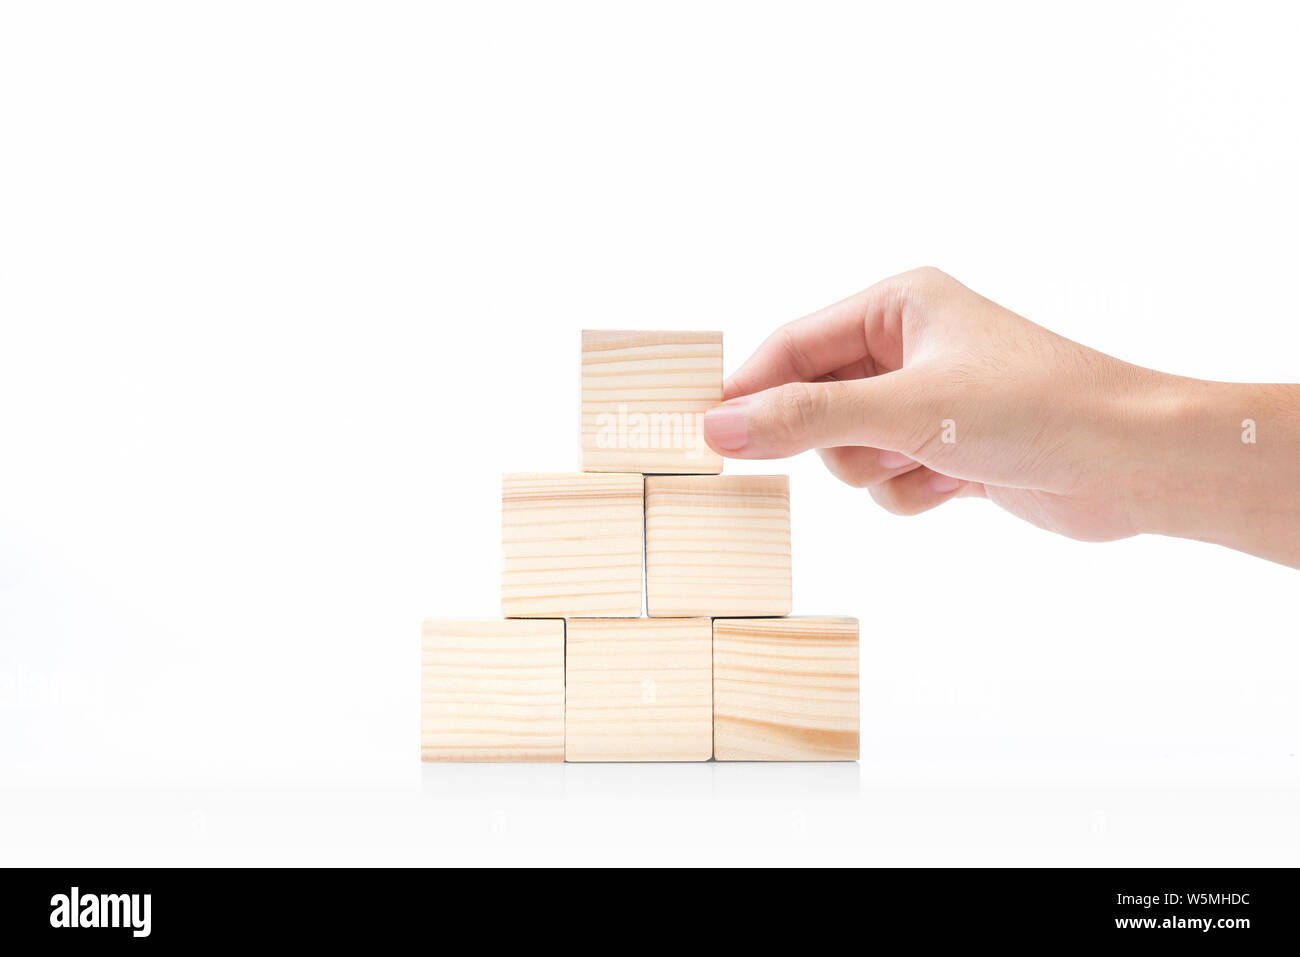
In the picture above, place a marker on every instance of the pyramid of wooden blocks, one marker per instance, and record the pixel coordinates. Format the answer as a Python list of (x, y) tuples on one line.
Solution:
[(644, 395), (715, 669)]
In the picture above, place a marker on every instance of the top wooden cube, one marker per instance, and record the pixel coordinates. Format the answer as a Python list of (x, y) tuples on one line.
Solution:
[(644, 395)]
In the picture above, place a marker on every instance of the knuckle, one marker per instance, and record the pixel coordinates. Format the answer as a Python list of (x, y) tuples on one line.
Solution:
[(849, 471), (884, 496), (927, 275), (924, 286), (794, 352), (893, 496), (798, 408), (858, 478)]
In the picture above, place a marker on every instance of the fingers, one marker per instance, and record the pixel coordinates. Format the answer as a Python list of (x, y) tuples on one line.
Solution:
[(804, 349), (863, 331), (897, 483), (862, 467), (886, 411), (921, 490)]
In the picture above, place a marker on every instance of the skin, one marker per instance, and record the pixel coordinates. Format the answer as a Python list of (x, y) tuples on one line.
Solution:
[(1063, 436)]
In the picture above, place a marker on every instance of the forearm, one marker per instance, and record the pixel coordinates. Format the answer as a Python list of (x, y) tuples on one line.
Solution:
[(1221, 464)]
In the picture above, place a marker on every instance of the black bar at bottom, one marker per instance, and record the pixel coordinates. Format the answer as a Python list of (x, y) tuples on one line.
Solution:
[(603, 910)]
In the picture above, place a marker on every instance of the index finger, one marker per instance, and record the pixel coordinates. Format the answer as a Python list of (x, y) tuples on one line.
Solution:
[(806, 349)]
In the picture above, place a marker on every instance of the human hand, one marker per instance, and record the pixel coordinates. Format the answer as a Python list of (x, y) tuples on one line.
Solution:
[(923, 391)]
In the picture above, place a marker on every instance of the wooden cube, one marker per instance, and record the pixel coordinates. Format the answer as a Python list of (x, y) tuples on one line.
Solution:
[(639, 690), (785, 689), (717, 545), (571, 545), (644, 395), (492, 691)]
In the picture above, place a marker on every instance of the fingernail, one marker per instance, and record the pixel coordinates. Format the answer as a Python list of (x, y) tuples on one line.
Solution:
[(894, 460), (943, 484), (724, 426)]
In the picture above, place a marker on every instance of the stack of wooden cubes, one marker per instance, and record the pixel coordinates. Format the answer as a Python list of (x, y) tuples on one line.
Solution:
[(572, 672)]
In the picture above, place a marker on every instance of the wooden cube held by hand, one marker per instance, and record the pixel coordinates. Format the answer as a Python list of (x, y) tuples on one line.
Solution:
[(644, 395)]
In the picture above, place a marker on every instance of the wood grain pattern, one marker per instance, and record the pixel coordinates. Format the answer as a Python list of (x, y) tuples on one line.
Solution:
[(639, 690), (785, 689), (644, 395), (571, 545), (492, 691), (717, 545)]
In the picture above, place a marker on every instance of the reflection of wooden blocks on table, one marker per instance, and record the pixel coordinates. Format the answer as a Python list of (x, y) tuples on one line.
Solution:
[(571, 545), (644, 395), (639, 690), (717, 545), (785, 689), (492, 691)]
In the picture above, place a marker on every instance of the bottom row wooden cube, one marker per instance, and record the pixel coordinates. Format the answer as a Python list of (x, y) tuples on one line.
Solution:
[(640, 689), (492, 690), (785, 689)]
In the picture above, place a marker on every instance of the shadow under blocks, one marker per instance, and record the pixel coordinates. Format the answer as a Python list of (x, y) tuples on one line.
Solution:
[(715, 669)]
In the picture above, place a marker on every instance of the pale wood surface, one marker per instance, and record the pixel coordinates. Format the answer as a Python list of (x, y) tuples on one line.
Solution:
[(647, 389), (571, 545), (785, 689), (492, 690), (639, 690), (717, 545)]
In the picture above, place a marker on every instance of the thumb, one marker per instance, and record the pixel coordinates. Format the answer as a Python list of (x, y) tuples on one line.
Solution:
[(884, 411)]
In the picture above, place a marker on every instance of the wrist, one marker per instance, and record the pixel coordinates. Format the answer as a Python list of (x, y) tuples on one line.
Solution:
[(1219, 462)]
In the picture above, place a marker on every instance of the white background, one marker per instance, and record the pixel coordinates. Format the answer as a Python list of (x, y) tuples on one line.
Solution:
[(284, 288)]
